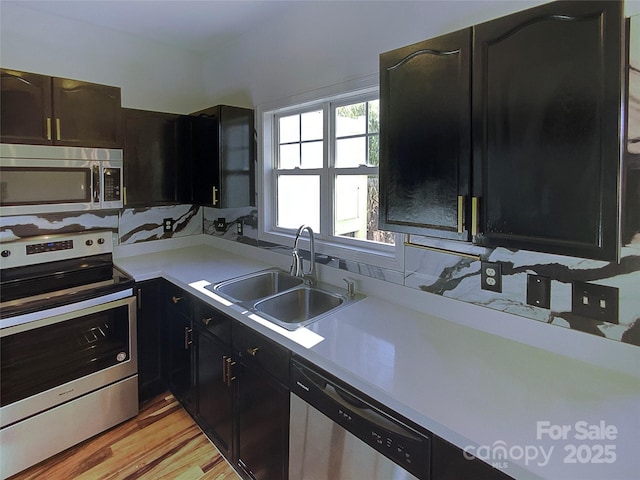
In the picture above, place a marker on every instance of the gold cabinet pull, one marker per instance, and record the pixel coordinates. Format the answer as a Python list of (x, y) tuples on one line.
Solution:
[(176, 299), (214, 195), (207, 320), (229, 363), (48, 128), (460, 213), (187, 337), (124, 195), (253, 351), (58, 130), (474, 216)]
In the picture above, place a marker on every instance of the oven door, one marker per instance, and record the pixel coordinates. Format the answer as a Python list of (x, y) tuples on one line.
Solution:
[(58, 357)]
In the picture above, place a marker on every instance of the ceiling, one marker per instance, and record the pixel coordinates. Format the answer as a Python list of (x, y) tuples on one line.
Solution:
[(195, 25)]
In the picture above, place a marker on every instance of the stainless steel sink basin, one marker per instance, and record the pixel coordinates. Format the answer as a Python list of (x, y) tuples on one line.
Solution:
[(283, 299), (249, 288), (298, 307)]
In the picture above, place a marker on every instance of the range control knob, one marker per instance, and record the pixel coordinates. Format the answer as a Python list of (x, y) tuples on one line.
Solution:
[(88, 243), (100, 241), (5, 253)]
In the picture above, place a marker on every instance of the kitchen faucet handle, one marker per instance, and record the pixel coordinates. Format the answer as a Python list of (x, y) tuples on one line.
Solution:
[(351, 288)]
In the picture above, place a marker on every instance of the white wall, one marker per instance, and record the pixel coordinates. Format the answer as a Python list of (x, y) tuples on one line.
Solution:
[(152, 76), (326, 43)]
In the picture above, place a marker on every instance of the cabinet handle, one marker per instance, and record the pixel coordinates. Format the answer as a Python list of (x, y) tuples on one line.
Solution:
[(229, 363), (139, 298), (176, 299), (214, 195), (124, 195), (474, 216), (58, 130), (224, 369), (206, 321), (48, 128), (253, 351), (187, 337), (460, 213)]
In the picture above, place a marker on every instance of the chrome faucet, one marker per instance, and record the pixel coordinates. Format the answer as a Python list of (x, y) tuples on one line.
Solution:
[(297, 267)]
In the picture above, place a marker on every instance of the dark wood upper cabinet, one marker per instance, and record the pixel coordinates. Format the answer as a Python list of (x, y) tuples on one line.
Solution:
[(223, 156), (425, 136), (156, 166), (546, 129), (26, 108), (521, 124), (42, 110)]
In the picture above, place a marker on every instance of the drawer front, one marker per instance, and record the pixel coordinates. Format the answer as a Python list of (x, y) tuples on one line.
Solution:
[(209, 319), (177, 300), (257, 350)]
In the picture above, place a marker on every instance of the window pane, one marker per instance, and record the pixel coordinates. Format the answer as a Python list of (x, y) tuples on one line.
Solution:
[(312, 127), (374, 116), (299, 201), (374, 151), (289, 129), (356, 209), (289, 156), (351, 120), (312, 155), (351, 152)]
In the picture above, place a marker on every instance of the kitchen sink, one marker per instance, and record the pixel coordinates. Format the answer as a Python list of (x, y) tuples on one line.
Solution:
[(298, 307), (249, 288), (283, 299)]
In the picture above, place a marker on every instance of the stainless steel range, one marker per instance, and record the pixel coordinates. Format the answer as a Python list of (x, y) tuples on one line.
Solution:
[(68, 345)]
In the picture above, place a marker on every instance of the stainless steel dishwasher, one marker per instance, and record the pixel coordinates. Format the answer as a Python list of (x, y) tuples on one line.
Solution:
[(334, 434)]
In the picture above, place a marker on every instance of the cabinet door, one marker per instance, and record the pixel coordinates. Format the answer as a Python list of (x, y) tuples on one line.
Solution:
[(546, 102), (86, 114), (26, 108), (152, 160), (179, 345), (425, 127), (263, 419), (149, 324), (215, 390), (224, 157), (205, 158)]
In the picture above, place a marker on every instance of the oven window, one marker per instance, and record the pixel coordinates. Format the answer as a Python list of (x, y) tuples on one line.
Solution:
[(36, 360), (41, 185)]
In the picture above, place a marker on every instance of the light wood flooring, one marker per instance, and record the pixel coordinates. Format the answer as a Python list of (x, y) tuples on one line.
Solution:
[(162, 442)]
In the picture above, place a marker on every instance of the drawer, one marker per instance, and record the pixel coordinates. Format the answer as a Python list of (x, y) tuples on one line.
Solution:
[(177, 300), (208, 318), (256, 350)]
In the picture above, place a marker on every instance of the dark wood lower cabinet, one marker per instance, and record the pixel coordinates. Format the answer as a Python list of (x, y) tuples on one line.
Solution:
[(149, 329), (215, 413), (263, 405)]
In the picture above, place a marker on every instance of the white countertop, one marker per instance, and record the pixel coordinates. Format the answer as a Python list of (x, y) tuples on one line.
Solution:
[(473, 388)]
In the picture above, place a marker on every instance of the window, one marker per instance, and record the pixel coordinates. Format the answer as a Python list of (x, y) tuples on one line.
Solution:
[(320, 168)]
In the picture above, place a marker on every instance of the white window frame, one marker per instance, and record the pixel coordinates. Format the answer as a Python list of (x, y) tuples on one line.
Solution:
[(371, 253)]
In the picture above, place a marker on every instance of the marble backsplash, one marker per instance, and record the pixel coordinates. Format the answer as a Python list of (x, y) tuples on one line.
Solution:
[(426, 269), (458, 276)]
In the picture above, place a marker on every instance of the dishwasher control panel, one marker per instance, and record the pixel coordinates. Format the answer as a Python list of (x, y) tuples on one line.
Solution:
[(390, 436)]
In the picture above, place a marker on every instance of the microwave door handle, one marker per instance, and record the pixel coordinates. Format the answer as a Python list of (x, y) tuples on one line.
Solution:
[(96, 184)]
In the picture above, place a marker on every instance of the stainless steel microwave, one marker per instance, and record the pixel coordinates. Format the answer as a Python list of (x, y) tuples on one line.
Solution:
[(48, 179)]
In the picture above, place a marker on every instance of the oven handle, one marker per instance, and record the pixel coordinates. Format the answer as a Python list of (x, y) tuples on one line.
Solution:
[(68, 310)]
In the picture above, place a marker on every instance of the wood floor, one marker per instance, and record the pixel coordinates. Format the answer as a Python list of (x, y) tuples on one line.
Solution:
[(162, 442)]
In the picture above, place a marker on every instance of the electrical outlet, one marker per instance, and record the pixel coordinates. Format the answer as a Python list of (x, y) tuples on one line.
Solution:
[(220, 224), (491, 276), (599, 302), (167, 224), (539, 291), (239, 227)]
